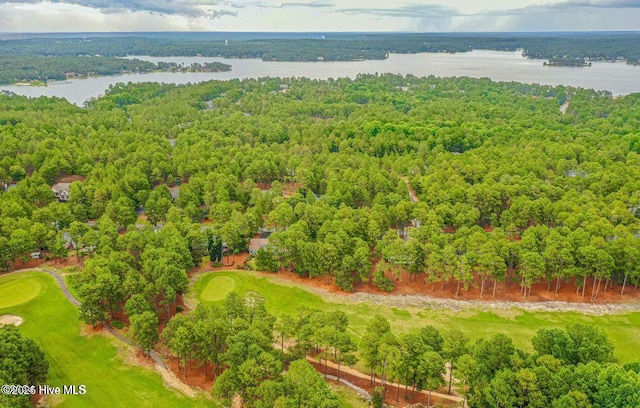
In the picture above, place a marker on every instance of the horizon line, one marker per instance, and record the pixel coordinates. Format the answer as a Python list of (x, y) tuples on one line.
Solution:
[(324, 32)]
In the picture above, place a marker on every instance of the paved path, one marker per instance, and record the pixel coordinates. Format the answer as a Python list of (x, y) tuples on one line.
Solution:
[(162, 368), (152, 353), (63, 286), (160, 365), (170, 379), (354, 387)]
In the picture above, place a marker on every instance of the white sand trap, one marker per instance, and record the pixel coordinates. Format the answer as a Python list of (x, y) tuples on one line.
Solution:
[(11, 319)]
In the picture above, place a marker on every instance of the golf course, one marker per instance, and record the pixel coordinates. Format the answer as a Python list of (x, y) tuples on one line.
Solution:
[(97, 361), (104, 365), (287, 297)]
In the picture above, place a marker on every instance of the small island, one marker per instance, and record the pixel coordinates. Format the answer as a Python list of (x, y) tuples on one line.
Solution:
[(567, 62), (35, 82), (193, 67)]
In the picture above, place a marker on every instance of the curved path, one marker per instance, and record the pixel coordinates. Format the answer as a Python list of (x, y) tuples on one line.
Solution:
[(168, 376), (61, 283), (63, 286), (358, 374), (420, 301), (354, 387)]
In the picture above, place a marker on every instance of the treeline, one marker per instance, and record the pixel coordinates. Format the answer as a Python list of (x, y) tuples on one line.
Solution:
[(23, 367), (510, 189), (335, 46), (27, 68), (19, 68), (574, 367), (234, 342), (194, 67)]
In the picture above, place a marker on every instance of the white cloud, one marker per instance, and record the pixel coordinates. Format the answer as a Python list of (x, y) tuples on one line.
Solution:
[(317, 15)]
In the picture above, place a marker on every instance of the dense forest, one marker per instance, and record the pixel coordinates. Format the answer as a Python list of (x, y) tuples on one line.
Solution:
[(19, 58), (235, 341), (17, 68), (508, 187), (332, 46), (568, 368)]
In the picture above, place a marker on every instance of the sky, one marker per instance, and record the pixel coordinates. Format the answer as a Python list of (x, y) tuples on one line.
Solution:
[(318, 15)]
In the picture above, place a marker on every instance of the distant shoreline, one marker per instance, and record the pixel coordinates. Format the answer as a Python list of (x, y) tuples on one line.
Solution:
[(616, 77)]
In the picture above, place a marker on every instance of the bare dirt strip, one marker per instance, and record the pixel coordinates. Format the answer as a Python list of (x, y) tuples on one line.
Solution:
[(420, 301)]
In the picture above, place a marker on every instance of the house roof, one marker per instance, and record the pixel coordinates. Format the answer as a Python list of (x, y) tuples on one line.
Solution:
[(175, 192), (59, 187), (256, 243)]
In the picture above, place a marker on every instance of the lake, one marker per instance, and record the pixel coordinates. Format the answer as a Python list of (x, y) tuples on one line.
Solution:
[(617, 77)]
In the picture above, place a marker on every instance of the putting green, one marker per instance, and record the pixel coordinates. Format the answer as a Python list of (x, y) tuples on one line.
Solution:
[(282, 297), (218, 288), (18, 291)]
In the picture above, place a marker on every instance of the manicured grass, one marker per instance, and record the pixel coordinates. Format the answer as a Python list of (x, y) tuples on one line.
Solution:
[(17, 292), (90, 360), (218, 288), (521, 326)]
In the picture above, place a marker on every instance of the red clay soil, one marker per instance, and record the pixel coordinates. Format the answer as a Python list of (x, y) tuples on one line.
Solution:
[(17, 264), (195, 375), (196, 378), (231, 262), (35, 399), (414, 285), (290, 189), (505, 291), (143, 359), (391, 392), (91, 331)]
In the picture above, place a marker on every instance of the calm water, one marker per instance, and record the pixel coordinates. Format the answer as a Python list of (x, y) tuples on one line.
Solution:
[(619, 78)]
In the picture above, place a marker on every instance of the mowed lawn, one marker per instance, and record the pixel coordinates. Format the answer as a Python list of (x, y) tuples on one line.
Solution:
[(76, 359), (521, 326)]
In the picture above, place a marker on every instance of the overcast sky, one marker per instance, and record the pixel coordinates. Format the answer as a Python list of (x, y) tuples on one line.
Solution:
[(318, 15)]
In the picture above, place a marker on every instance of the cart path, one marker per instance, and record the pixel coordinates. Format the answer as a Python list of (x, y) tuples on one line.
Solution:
[(61, 283), (170, 379), (354, 387)]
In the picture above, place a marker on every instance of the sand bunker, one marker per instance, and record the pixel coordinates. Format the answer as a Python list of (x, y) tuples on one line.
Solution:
[(11, 319)]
